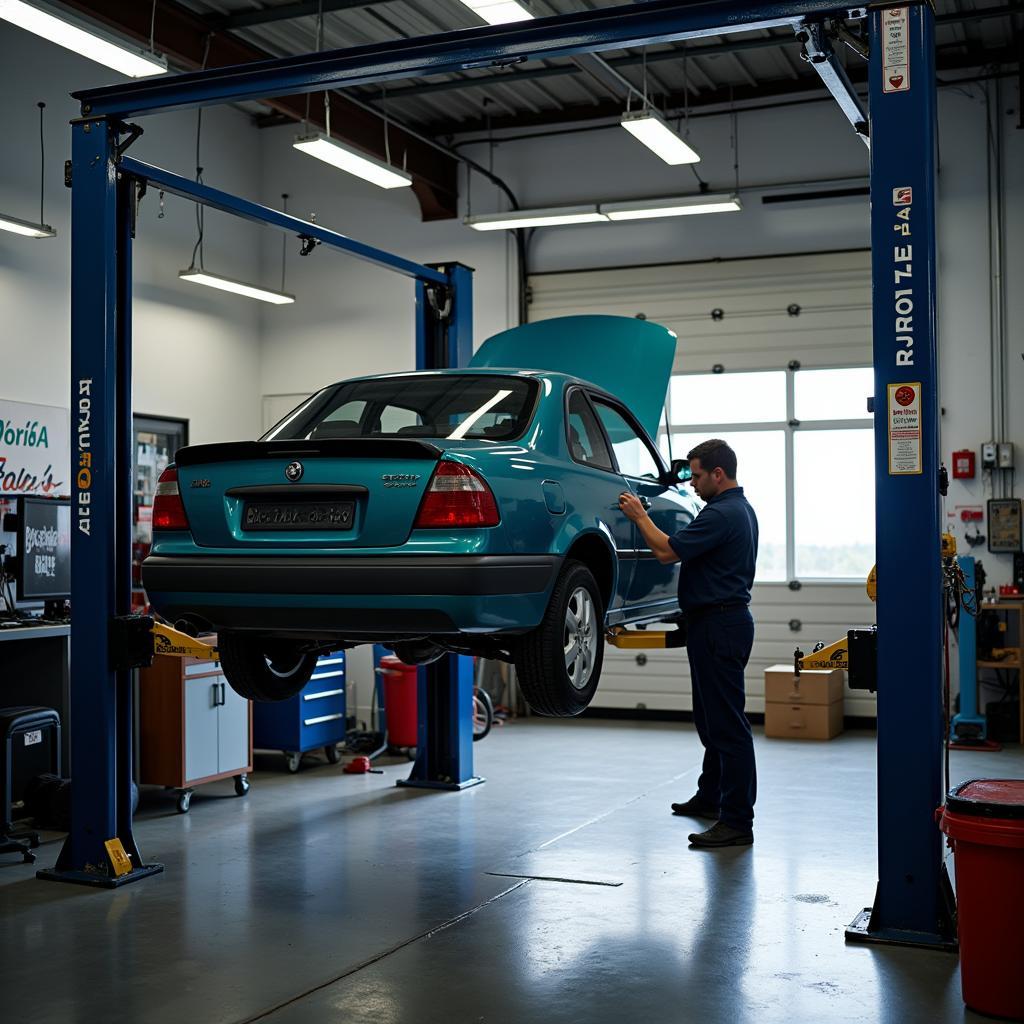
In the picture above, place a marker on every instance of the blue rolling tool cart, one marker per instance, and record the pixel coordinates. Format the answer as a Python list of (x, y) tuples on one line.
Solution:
[(313, 718)]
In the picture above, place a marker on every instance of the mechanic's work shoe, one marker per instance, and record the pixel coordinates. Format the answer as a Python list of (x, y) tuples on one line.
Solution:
[(693, 808), (721, 834)]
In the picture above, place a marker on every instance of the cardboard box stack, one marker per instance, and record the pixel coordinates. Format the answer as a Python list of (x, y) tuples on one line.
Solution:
[(808, 707)]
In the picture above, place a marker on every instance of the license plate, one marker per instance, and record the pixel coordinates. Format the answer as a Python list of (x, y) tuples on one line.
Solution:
[(298, 515)]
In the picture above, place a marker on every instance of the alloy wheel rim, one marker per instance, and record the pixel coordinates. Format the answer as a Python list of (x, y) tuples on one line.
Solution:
[(579, 640)]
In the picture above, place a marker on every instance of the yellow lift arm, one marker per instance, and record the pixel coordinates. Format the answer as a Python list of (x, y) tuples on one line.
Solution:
[(168, 640), (137, 639)]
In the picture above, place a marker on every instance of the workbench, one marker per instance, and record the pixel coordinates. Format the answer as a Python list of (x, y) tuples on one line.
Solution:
[(34, 672)]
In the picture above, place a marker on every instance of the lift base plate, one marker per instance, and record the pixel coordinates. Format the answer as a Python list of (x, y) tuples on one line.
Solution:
[(98, 881)]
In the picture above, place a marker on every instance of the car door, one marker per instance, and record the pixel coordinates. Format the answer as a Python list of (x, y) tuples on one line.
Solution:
[(653, 584), (596, 494)]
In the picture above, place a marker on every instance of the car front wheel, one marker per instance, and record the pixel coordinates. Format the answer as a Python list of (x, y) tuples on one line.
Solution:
[(559, 664), (264, 670)]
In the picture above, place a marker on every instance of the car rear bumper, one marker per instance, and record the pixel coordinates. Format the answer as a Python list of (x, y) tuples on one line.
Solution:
[(381, 595)]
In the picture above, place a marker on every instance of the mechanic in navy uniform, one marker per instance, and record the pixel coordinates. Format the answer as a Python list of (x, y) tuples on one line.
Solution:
[(717, 551)]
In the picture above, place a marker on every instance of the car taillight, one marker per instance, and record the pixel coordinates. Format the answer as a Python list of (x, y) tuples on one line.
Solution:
[(457, 497), (168, 509)]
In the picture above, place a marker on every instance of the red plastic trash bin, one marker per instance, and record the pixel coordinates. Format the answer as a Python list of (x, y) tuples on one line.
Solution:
[(984, 820), (400, 701)]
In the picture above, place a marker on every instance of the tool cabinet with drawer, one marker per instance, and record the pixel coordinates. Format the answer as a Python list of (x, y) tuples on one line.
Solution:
[(193, 727), (314, 718)]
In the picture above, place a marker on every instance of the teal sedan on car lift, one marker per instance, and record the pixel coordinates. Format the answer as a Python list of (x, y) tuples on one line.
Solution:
[(470, 510)]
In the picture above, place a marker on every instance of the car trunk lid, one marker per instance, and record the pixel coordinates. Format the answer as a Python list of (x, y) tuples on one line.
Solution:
[(337, 493)]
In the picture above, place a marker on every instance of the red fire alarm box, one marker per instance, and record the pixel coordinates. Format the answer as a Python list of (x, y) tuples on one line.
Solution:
[(963, 464)]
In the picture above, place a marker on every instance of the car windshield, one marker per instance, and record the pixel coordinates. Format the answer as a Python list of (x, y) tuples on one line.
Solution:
[(448, 406)]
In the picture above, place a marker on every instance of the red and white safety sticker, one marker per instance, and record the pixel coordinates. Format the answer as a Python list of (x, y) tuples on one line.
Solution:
[(905, 429), (895, 49)]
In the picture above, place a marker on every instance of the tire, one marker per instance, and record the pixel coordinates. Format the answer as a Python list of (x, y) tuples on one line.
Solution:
[(331, 753), (184, 801), (294, 761), (241, 785), (483, 713), (541, 657), (264, 670)]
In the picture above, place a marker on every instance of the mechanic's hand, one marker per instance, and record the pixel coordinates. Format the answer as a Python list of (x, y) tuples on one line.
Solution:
[(630, 504)]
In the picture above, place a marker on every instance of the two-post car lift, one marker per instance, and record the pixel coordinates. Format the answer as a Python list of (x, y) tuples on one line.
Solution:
[(909, 904)]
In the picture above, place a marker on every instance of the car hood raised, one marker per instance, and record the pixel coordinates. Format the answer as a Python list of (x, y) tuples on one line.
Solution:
[(629, 358)]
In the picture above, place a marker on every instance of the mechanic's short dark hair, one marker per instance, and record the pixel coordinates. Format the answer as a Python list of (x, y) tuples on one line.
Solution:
[(715, 454)]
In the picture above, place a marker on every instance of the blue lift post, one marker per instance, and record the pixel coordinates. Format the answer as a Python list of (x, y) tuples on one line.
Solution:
[(444, 747), (909, 905), (913, 898)]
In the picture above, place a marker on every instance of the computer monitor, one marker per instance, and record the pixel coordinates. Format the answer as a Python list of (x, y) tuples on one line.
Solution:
[(43, 563)]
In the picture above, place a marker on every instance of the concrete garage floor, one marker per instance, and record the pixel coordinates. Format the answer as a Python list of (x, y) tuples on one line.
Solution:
[(334, 898)]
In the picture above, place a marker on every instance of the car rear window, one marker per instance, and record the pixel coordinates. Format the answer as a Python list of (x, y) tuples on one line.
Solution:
[(444, 406)]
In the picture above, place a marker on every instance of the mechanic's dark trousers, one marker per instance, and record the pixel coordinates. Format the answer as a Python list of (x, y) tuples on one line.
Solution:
[(718, 644)]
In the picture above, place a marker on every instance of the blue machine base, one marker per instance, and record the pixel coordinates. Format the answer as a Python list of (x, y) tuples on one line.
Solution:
[(426, 784), (974, 720), (98, 881), (858, 931)]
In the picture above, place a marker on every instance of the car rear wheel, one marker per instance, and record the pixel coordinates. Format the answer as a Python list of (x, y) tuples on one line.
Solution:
[(264, 670), (559, 664)]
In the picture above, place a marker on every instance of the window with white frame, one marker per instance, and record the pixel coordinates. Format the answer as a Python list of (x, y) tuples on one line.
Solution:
[(805, 456)]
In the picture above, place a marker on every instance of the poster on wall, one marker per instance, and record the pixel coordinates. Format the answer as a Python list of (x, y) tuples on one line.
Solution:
[(34, 449)]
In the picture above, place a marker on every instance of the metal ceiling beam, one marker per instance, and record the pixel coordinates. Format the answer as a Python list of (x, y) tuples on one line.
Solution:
[(182, 35), (287, 12), (510, 77), (614, 28), (721, 97)]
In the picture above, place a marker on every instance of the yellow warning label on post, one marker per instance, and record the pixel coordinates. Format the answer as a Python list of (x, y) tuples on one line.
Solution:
[(119, 860)]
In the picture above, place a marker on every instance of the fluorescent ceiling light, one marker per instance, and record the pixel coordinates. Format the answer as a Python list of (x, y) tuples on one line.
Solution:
[(498, 12), (648, 127), (25, 227), (680, 206), (226, 284), (362, 166), (82, 37), (536, 218)]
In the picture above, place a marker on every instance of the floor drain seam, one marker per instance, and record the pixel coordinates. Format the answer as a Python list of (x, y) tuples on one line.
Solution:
[(614, 810), (554, 878), (458, 919)]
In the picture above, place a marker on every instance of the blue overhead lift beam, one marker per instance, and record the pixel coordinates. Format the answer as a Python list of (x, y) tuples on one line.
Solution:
[(910, 903)]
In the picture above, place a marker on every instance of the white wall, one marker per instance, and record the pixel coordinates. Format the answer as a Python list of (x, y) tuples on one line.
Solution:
[(196, 350)]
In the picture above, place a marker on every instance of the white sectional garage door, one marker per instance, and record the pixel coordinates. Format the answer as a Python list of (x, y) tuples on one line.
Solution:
[(754, 314)]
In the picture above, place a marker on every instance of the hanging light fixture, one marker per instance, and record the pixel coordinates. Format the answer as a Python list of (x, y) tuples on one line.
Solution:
[(345, 158), (81, 36), (498, 12), (648, 127), (196, 275), (677, 206), (550, 217), (27, 228)]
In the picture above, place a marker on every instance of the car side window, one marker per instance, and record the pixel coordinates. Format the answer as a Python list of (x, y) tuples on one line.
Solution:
[(586, 442), (632, 452)]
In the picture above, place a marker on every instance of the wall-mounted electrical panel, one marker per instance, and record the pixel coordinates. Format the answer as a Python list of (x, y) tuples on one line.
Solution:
[(1004, 525)]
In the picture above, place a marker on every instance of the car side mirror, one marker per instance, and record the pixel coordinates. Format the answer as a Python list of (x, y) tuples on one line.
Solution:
[(680, 471)]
